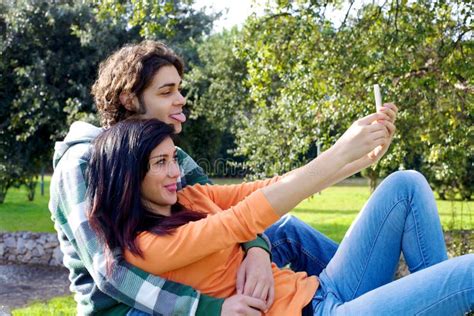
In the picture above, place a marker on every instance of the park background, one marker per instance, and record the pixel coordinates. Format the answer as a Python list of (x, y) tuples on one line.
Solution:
[(263, 97)]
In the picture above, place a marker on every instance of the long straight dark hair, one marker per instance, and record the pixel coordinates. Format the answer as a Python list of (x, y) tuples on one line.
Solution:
[(119, 162)]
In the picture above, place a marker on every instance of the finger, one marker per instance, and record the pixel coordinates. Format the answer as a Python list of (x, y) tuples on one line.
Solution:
[(379, 134), (240, 281), (392, 106), (380, 142), (270, 297), (389, 126), (255, 303), (252, 312), (390, 113), (376, 127), (369, 119), (260, 291), (249, 286)]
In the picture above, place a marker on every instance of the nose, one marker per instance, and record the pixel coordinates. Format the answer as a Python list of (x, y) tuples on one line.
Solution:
[(173, 170), (180, 100)]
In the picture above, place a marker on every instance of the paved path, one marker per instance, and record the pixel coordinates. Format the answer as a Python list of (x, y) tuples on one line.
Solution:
[(22, 284)]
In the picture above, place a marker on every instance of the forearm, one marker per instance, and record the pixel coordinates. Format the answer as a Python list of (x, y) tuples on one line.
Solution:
[(303, 182), (351, 169)]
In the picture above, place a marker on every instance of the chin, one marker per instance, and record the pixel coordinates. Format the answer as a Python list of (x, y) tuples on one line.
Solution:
[(177, 128), (173, 201)]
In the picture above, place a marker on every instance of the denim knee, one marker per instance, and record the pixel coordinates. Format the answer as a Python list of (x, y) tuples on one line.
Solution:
[(411, 182)]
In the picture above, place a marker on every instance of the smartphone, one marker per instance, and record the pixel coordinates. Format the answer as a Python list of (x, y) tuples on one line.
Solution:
[(378, 97)]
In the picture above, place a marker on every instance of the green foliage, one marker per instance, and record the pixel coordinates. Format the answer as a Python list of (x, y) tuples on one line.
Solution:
[(50, 54), (215, 83), (309, 80), (218, 98), (48, 70)]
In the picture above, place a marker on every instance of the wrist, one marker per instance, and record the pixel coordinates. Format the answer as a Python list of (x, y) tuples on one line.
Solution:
[(261, 242), (257, 250), (338, 156)]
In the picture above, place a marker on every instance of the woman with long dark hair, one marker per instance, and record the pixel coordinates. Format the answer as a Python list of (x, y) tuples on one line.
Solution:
[(192, 236)]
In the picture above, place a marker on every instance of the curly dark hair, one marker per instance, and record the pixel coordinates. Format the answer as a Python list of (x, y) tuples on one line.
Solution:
[(130, 69)]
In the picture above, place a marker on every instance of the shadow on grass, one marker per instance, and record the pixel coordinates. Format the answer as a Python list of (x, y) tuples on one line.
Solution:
[(315, 212)]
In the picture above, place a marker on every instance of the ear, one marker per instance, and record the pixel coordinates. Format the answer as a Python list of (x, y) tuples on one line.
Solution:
[(129, 101)]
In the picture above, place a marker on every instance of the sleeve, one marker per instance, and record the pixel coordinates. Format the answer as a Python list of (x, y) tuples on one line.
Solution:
[(192, 174), (226, 196), (196, 240), (126, 284)]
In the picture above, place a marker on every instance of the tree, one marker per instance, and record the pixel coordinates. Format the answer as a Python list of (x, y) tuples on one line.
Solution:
[(50, 54), (47, 72), (218, 97), (310, 80)]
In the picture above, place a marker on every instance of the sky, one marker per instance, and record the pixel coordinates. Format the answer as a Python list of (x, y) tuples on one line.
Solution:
[(236, 11)]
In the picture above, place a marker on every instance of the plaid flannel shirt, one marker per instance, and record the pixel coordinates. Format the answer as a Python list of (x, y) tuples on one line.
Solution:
[(127, 286)]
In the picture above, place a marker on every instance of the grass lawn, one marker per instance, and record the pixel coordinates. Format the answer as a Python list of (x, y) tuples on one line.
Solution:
[(57, 306), (19, 214), (331, 212)]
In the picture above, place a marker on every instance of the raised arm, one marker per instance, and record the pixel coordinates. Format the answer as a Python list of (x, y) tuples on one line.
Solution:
[(261, 204), (359, 140)]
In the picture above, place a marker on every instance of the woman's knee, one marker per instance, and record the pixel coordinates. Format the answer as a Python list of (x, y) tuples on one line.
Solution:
[(411, 180), (408, 176)]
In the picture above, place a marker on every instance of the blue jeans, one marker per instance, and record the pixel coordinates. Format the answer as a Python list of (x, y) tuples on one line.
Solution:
[(299, 245), (401, 216), (294, 243)]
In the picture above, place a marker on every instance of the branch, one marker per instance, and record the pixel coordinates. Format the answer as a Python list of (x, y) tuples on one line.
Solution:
[(274, 16), (463, 86), (347, 15), (396, 20)]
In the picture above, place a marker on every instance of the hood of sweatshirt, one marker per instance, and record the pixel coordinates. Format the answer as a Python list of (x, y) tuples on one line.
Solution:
[(79, 133)]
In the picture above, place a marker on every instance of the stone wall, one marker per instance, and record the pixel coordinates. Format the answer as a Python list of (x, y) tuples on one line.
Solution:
[(30, 248)]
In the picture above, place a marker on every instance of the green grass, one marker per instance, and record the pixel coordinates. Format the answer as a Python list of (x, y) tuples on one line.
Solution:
[(333, 211), (330, 212), (55, 307), (19, 214)]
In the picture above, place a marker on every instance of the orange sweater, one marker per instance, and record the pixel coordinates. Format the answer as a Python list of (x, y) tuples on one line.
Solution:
[(206, 254)]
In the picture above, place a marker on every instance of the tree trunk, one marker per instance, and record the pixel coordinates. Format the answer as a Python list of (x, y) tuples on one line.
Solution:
[(30, 184)]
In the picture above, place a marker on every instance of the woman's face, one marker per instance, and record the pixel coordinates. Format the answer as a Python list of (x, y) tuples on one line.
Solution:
[(160, 183), (163, 100)]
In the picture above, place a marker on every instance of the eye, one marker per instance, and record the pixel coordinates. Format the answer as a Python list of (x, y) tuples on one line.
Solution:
[(175, 158), (160, 162)]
